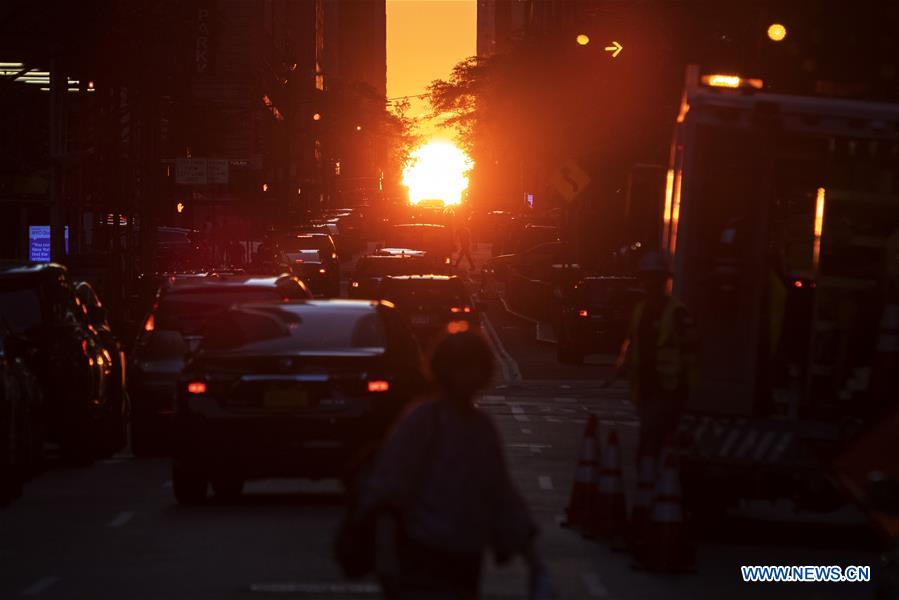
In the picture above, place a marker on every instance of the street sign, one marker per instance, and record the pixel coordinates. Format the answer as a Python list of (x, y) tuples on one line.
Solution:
[(570, 180), (217, 170), (190, 171)]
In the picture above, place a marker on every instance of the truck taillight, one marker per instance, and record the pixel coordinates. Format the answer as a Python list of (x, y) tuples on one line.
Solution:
[(378, 385)]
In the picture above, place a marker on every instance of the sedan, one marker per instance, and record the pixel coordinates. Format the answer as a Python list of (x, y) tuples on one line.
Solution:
[(430, 302), (292, 390)]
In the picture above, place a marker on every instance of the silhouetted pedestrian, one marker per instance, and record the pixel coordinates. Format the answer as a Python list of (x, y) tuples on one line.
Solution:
[(464, 236), (442, 476)]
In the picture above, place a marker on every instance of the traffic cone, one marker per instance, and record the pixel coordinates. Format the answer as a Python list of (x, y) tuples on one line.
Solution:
[(639, 517), (583, 492), (666, 546), (609, 515)]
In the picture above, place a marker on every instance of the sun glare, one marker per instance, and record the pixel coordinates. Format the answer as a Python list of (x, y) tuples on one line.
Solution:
[(437, 171)]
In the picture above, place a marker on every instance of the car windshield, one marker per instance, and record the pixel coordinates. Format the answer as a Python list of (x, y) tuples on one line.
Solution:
[(20, 306), (188, 310), (430, 291), (379, 267), (276, 330)]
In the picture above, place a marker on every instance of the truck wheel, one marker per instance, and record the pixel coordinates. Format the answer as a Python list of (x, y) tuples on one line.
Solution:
[(189, 484)]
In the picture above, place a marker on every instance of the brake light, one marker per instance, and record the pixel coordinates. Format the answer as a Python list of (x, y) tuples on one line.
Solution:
[(150, 325), (322, 271), (196, 387), (378, 385), (460, 309), (355, 284), (797, 283), (583, 313)]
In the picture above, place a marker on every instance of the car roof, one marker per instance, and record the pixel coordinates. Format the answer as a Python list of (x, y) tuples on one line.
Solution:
[(26, 267), (229, 281), (430, 277), (421, 225)]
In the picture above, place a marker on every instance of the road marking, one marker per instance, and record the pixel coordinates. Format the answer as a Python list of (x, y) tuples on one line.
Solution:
[(508, 365), (594, 585), (121, 519), (519, 445), (526, 431), (518, 413), (40, 586), (554, 420), (315, 588), (545, 482)]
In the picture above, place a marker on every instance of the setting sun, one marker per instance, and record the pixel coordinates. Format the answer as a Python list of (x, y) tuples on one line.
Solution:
[(437, 171)]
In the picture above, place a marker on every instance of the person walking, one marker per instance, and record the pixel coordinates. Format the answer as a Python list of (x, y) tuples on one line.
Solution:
[(659, 356), (464, 237), (442, 476)]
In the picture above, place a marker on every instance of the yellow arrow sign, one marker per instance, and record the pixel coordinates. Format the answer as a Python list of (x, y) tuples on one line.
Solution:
[(615, 49)]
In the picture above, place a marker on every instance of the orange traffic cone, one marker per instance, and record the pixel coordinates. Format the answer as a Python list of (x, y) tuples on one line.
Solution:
[(639, 517), (583, 491), (609, 515), (666, 546)]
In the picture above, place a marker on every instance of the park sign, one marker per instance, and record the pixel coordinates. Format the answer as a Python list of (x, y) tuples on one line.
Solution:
[(201, 171)]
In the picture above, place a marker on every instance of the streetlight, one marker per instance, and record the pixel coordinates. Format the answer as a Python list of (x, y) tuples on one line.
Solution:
[(777, 32), (582, 39), (358, 127)]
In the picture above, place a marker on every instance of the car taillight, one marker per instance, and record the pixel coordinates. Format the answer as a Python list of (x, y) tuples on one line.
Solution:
[(460, 309), (378, 385), (355, 284), (196, 387), (447, 260), (322, 271), (150, 325), (583, 313)]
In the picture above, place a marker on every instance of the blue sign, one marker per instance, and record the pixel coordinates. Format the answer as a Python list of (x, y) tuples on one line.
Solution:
[(39, 242)]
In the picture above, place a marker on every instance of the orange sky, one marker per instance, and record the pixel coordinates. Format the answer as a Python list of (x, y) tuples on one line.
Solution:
[(425, 39)]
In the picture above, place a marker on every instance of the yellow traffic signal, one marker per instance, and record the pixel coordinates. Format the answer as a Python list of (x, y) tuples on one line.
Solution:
[(777, 32)]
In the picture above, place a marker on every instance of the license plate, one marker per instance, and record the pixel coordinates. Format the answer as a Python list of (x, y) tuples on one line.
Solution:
[(421, 320), (285, 397)]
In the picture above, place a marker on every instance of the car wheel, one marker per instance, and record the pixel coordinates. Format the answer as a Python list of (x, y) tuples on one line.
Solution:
[(227, 488), (189, 484)]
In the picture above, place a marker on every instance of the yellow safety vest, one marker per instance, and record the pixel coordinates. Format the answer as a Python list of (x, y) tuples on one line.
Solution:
[(672, 360)]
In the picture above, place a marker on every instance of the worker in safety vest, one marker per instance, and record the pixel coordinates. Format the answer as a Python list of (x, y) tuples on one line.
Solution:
[(659, 356)]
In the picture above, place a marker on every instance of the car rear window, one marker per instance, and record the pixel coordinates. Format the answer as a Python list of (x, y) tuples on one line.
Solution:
[(20, 306), (303, 256), (407, 291), (188, 310), (275, 330)]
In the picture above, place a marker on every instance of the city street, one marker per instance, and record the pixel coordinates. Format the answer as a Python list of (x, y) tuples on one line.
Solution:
[(113, 530)]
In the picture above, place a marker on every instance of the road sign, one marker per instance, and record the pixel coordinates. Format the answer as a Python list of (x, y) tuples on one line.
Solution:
[(615, 49), (570, 180), (190, 171), (217, 170)]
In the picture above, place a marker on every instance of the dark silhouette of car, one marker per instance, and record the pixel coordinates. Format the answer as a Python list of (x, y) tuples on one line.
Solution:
[(39, 305), (324, 243), (373, 268), (430, 302), (304, 389), (21, 442), (312, 268), (436, 240), (175, 327), (594, 317)]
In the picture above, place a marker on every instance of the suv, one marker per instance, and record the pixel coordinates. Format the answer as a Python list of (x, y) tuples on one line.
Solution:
[(594, 317), (430, 301), (173, 329), (82, 410), (372, 269)]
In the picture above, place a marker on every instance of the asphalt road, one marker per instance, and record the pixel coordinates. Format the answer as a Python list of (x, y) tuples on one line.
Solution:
[(113, 531)]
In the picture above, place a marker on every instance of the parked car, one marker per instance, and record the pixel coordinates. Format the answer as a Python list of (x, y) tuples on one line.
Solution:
[(172, 330), (594, 317), (81, 411), (430, 302), (373, 268), (114, 353), (290, 390), (21, 440)]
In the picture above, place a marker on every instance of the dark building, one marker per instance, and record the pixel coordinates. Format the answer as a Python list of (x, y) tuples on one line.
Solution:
[(500, 24), (356, 44)]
